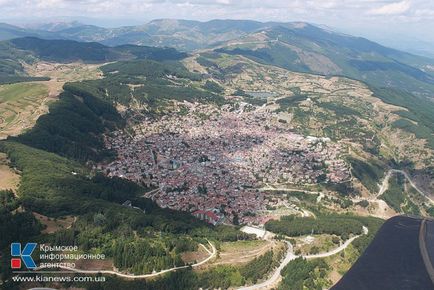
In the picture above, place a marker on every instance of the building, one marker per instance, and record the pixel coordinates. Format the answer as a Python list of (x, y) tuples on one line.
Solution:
[(212, 216)]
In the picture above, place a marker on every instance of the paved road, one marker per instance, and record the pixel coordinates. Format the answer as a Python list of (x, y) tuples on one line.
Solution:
[(275, 277), (132, 276), (332, 252), (385, 184)]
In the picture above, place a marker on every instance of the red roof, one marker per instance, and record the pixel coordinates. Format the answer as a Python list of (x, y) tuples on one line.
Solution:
[(208, 213)]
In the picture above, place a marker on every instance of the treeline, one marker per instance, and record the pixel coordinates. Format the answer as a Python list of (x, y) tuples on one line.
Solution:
[(30, 49), (219, 277), (4, 80), (91, 52), (259, 267), (54, 185), (16, 225), (226, 276), (155, 83), (397, 197), (373, 224), (74, 128), (143, 256), (419, 109), (333, 224), (150, 69)]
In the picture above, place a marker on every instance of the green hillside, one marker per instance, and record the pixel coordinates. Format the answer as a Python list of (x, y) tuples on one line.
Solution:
[(314, 50), (30, 49)]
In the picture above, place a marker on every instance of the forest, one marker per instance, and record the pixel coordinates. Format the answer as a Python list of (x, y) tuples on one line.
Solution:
[(342, 225), (150, 83), (55, 160)]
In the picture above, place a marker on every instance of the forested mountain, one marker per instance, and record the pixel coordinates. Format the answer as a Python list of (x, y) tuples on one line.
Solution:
[(296, 46), (55, 160), (307, 48), (31, 49), (321, 134)]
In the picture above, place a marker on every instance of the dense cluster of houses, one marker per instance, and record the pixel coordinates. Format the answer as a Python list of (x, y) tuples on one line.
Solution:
[(213, 158)]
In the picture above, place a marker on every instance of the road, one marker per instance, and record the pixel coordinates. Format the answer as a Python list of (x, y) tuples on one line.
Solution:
[(385, 184), (275, 277), (132, 276), (413, 184), (338, 249)]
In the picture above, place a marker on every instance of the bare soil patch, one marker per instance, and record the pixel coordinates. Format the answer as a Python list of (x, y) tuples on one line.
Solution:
[(54, 225), (9, 179)]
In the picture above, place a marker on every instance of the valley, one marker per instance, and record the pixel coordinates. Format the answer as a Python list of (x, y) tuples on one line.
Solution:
[(251, 162), (23, 103)]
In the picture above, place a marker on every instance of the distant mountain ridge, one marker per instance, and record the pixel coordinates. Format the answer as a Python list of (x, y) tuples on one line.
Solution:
[(296, 46)]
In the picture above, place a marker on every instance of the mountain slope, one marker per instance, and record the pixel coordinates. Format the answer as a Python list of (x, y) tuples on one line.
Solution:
[(296, 46), (29, 49), (307, 48)]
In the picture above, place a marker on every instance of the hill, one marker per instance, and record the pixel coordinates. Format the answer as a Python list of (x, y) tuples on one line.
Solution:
[(8, 31), (296, 46), (30, 49), (393, 260), (307, 48)]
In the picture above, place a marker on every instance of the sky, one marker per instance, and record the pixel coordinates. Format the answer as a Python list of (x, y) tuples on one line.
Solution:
[(399, 22)]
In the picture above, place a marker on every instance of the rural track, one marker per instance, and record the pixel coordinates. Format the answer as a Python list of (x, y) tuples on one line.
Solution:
[(275, 277), (144, 276)]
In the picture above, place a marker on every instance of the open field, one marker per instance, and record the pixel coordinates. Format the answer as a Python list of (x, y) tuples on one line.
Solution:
[(62, 72), (8, 178), (194, 257), (53, 225), (20, 105), (241, 252), (311, 245)]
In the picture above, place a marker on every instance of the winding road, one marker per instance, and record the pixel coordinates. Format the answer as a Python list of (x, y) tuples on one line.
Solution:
[(385, 183), (132, 276), (275, 277)]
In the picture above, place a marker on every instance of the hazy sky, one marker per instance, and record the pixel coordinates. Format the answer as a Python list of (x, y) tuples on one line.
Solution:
[(390, 19)]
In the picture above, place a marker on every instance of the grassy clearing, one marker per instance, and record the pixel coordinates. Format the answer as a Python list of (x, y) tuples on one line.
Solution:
[(8, 178), (20, 91), (318, 244), (241, 252), (20, 105), (52, 225)]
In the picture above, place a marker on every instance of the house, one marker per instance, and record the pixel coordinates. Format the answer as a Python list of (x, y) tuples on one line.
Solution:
[(212, 216)]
